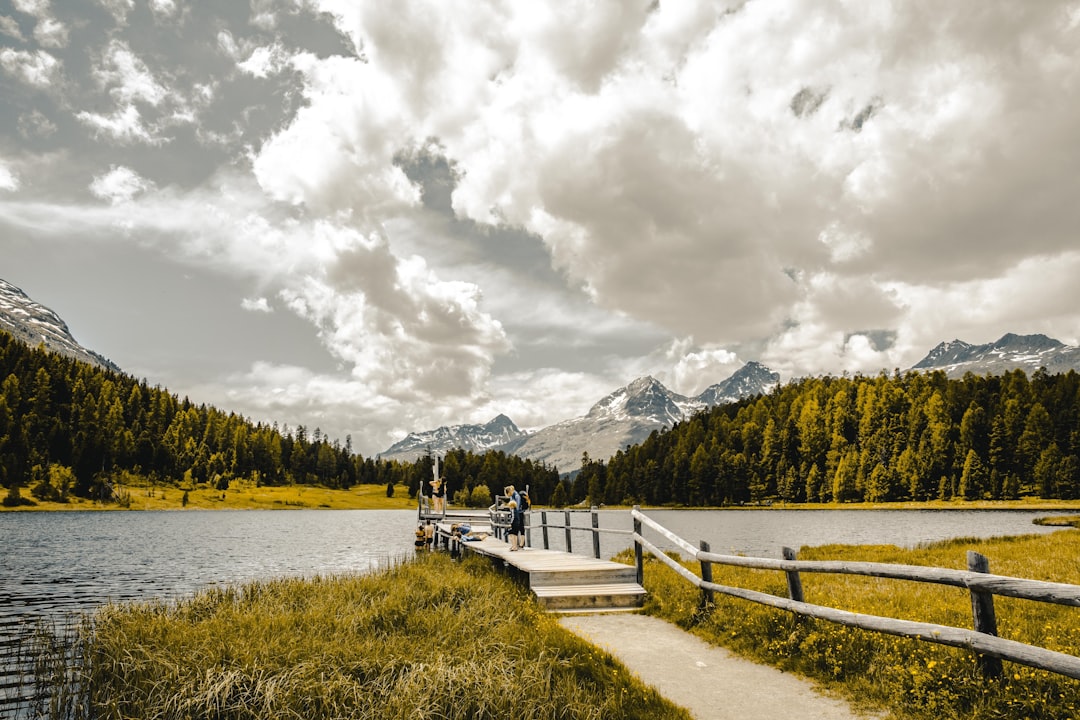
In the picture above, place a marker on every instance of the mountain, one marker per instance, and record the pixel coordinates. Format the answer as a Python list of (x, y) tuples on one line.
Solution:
[(629, 415), (1011, 352), (498, 431), (35, 324), (753, 378)]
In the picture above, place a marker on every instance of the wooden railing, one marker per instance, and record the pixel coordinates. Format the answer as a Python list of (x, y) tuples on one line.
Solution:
[(983, 640), (568, 529)]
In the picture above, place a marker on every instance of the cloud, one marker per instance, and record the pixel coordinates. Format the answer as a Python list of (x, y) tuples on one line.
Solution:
[(8, 179), (10, 26), (119, 185), (164, 9), (261, 305), (119, 9), (144, 106), (39, 68), (125, 125), (653, 146), (263, 61), (52, 33), (126, 78)]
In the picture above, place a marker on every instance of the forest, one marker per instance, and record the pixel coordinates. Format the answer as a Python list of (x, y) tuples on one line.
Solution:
[(912, 436), (70, 428)]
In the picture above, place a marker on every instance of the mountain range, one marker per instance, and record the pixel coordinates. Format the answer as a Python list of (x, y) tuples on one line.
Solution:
[(625, 417), (35, 325), (1026, 352)]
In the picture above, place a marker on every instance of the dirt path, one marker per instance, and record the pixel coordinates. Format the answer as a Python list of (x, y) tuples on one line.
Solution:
[(711, 682)]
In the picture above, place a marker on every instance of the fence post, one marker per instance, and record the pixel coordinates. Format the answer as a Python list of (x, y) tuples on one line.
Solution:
[(595, 533), (569, 540), (707, 598), (794, 582), (639, 560), (543, 525), (982, 610)]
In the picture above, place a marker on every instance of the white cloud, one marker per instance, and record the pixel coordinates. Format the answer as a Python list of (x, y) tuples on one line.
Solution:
[(256, 305), (127, 78), (119, 185), (51, 33), (38, 68), (264, 61), (119, 9), (8, 179), (125, 125), (164, 8), (10, 26)]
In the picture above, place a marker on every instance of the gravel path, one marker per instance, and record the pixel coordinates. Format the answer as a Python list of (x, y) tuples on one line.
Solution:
[(711, 682)]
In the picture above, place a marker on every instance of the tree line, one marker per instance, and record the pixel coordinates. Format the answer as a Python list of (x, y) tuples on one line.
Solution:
[(71, 428), (912, 436)]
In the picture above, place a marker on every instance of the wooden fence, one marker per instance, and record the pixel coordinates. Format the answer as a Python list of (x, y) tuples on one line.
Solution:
[(549, 521), (983, 640)]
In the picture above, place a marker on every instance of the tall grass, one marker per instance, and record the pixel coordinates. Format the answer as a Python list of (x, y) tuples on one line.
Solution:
[(430, 638), (912, 679)]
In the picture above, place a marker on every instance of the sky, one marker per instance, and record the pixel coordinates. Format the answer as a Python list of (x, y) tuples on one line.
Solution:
[(374, 217)]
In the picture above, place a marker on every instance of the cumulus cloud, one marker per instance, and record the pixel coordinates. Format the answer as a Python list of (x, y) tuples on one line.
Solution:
[(822, 187), (10, 26), (38, 68), (263, 61), (119, 185), (260, 304), (119, 9)]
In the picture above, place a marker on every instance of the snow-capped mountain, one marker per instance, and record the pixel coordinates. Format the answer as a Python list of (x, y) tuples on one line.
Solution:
[(628, 415), (1011, 352), (35, 324), (753, 378), (498, 431)]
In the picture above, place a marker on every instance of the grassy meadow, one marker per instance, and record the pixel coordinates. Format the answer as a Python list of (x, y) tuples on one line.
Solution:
[(241, 495), (914, 680), (430, 638)]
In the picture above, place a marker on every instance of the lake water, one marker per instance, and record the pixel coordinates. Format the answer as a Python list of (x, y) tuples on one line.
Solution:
[(53, 564)]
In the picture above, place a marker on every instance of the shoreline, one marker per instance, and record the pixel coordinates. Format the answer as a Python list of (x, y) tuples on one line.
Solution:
[(244, 495)]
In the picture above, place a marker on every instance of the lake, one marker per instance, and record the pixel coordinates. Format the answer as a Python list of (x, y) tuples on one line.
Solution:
[(53, 564)]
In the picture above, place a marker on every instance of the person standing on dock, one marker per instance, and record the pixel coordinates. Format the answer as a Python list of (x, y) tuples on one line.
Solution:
[(438, 494), (517, 518)]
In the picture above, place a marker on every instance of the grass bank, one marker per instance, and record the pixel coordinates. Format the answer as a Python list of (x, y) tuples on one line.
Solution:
[(241, 495), (914, 680), (432, 638)]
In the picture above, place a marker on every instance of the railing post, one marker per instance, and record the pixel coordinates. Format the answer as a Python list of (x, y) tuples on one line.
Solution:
[(595, 533), (543, 527), (707, 598), (982, 610), (569, 541), (639, 558), (794, 582)]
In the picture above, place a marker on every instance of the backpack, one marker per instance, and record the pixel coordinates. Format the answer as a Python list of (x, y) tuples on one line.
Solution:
[(525, 504)]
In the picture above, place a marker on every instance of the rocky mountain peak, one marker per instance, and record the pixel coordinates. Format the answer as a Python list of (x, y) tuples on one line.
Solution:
[(36, 325)]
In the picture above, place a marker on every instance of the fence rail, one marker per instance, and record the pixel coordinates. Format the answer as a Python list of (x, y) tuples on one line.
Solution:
[(983, 640), (594, 528)]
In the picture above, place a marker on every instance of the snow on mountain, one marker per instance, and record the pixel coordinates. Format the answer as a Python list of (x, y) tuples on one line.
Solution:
[(35, 324), (753, 378), (1011, 352), (498, 431), (629, 415)]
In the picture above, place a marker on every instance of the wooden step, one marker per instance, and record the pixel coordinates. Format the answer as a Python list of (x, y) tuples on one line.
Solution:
[(602, 596), (611, 574)]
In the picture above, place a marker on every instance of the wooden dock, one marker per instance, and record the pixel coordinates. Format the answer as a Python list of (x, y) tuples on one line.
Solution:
[(564, 582)]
